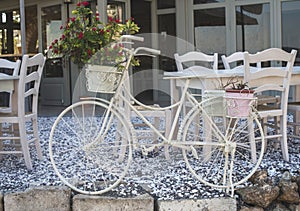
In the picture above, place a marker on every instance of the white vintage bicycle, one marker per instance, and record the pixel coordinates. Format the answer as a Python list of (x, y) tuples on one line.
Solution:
[(92, 141)]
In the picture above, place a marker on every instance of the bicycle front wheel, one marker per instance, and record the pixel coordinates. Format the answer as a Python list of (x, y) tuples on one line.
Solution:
[(222, 150), (90, 147)]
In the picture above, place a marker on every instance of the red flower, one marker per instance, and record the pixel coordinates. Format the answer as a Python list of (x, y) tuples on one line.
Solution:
[(85, 3), (61, 27), (73, 19), (78, 4), (50, 47), (63, 36), (118, 21), (89, 52), (97, 19), (94, 29), (80, 36), (56, 40), (110, 19)]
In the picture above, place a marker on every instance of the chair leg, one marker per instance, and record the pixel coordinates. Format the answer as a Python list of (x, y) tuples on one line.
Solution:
[(156, 125), (252, 139), (284, 145), (37, 139), (168, 117), (24, 145)]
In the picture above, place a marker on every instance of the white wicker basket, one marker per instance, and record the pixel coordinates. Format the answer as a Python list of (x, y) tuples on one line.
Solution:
[(101, 78)]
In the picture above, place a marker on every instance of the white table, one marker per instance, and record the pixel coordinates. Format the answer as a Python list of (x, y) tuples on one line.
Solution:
[(205, 79)]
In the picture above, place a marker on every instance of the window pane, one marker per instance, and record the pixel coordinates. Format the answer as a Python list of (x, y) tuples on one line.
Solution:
[(116, 10), (253, 27), (165, 4), (210, 30), (290, 30), (166, 27), (51, 23)]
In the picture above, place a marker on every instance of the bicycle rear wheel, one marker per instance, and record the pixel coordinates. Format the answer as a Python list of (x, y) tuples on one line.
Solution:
[(222, 150), (90, 147)]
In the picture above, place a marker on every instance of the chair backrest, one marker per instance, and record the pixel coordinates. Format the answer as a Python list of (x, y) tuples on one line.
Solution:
[(29, 83), (277, 64), (14, 66), (9, 68), (194, 57), (236, 59)]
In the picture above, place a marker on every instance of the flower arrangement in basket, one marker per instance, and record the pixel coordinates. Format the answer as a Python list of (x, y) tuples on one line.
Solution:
[(239, 98), (84, 34), (90, 43)]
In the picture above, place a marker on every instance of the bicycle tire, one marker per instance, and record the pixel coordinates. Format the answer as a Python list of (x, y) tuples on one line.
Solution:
[(220, 153), (90, 147)]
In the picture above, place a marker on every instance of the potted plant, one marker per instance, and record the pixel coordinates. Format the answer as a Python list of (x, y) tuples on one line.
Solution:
[(85, 39), (239, 99)]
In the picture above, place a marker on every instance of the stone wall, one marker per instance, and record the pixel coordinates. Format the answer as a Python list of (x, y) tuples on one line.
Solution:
[(61, 199)]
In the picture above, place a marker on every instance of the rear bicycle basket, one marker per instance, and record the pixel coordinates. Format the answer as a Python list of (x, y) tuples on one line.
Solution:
[(102, 78)]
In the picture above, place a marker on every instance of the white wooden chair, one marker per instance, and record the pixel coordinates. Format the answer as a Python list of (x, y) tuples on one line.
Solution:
[(25, 116), (280, 81), (195, 58), (15, 67), (205, 63), (236, 60)]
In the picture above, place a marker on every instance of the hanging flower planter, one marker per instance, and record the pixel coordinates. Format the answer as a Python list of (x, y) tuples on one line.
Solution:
[(101, 78), (239, 102)]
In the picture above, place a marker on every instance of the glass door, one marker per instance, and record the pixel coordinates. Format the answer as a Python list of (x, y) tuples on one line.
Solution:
[(55, 88)]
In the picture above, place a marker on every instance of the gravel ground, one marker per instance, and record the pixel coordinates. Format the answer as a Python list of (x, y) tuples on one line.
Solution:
[(163, 179)]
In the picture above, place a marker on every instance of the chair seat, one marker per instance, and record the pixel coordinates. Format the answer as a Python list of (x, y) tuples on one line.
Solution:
[(266, 99)]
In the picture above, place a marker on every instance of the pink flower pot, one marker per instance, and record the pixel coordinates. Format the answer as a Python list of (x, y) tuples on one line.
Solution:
[(239, 102)]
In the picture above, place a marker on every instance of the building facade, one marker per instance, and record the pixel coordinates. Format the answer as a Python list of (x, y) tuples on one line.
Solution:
[(222, 26)]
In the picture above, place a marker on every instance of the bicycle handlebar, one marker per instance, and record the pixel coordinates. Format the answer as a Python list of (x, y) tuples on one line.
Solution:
[(150, 50), (132, 37)]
